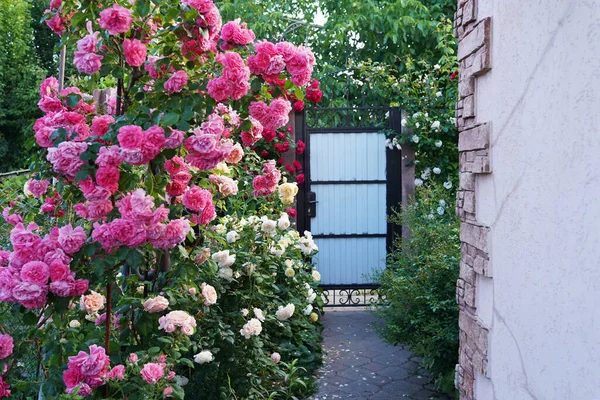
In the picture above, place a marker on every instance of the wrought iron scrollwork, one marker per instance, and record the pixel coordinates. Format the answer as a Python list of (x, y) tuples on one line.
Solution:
[(350, 296), (349, 117)]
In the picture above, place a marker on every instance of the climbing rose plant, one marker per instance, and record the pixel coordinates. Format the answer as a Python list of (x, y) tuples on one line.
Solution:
[(153, 253)]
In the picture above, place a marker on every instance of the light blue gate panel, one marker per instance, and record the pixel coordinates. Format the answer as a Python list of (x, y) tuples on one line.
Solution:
[(347, 156), (349, 260), (350, 209)]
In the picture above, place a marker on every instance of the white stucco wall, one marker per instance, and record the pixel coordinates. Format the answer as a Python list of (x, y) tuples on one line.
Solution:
[(542, 200)]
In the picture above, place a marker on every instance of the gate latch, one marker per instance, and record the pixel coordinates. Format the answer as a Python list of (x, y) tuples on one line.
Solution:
[(311, 200)]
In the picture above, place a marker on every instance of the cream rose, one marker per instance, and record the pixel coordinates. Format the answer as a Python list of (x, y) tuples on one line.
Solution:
[(92, 303), (210, 294)]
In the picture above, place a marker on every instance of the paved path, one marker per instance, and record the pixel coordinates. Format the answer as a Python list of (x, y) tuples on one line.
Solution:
[(359, 365)]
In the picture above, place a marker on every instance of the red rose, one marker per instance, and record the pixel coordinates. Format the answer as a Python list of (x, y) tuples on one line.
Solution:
[(300, 147), (300, 179)]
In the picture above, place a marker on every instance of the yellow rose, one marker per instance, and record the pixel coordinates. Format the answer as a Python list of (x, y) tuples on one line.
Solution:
[(314, 317), (287, 191)]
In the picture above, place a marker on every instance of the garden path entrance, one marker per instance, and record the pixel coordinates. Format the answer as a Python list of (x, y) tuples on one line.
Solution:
[(359, 365), (352, 181)]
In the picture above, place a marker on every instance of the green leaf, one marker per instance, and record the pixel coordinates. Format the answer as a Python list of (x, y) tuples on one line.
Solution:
[(299, 93), (187, 362), (30, 318), (134, 258), (73, 100), (142, 7), (154, 350), (170, 119), (82, 175), (178, 392)]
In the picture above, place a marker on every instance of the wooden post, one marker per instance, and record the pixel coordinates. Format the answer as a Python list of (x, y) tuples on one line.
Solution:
[(61, 68)]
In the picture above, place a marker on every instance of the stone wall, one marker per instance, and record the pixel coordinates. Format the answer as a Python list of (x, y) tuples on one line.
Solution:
[(474, 56)]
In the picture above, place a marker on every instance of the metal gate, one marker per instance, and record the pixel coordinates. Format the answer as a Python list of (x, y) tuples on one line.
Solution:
[(352, 181)]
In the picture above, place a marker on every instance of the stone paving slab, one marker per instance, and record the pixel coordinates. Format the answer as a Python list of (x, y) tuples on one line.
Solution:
[(359, 365)]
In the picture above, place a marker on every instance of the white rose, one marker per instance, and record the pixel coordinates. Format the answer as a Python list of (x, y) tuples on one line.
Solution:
[(284, 313), (251, 328), (284, 221), (440, 210), (443, 203), (277, 251), (203, 357), (448, 185), (232, 237), (74, 324), (418, 125), (307, 310), (259, 314), (290, 273), (224, 259), (403, 122), (316, 275), (276, 357), (415, 138), (268, 226), (438, 143), (210, 294), (436, 66), (221, 229), (418, 182), (438, 94), (245, 312), (437, 171), (435, 125), (226, 273)]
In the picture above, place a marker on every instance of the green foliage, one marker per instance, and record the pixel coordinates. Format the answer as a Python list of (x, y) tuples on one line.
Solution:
[(419, 284), (20, 75)]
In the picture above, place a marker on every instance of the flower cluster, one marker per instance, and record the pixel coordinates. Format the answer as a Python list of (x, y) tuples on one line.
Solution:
[(207, 147), (266, 184), (271, 59), (235, 81), (38, 265), (177, 319), (138, 146), (236, 33), (87, 371)]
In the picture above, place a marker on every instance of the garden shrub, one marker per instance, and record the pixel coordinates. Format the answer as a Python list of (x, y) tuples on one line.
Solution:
[(152, 253), (419, 284)]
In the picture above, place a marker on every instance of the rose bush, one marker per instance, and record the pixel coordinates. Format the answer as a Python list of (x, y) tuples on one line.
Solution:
[(156, 221)]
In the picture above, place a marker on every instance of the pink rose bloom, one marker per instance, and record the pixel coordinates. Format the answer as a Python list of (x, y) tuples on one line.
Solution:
[(131, 233), (274, 116), (133, 358), (109, 156), (36, 273), (168, 391), (204, 218), (4, 256), (12, 219), (130, 137), (176, 82), (71, 240), (88, 63), (50, 104), (203, 6), (155, 304), (117, 372), (196, 199), (59, 271), (226, 185), (116, 19), (210, 294), (172, 234), (175, 140), (108, 178), (101, 124), (276, 357), (89, 43), (152, 372), (56, 24), (29, 295), (66, 159), (137, 206), (237, 33), (37, 188), (135, 52), (236, 155), (49, 87), (219, 89), (175, 319), (6, 346)]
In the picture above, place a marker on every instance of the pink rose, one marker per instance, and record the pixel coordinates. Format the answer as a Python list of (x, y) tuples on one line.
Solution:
[(109, 156), (31, 296), (36, 273), (276, 357), (108, 178), (101, 124), (152, 372), (155, 304), (168, 391), (135, 52), (37, 188), (117, 372), (66, 159), (133, 358), (6, 346), (176, 82), (226, 185), (196, 199), (210, 294), (175, 140), (130, 137), (59, 271), (116, 19), (88, 63), (71, 240)]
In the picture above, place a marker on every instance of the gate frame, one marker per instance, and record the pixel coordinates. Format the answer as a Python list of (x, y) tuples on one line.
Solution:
[(351, 295)]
